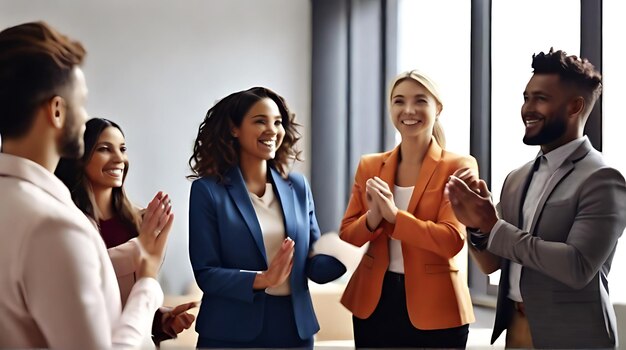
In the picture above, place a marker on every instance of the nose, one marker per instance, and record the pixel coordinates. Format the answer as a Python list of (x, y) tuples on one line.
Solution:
[(409, 108), (118, 156)]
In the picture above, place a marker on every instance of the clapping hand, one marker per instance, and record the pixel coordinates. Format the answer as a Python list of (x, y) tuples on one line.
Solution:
[(279, 269), (153, 233), (472, 207), (382, 195)]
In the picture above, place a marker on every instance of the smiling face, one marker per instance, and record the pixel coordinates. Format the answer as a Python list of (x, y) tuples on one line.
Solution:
[(414, 109), (108, 163), (261, 131), (545, 112)]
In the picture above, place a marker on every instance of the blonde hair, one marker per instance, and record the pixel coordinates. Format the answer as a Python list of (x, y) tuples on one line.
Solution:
[(432, 88)]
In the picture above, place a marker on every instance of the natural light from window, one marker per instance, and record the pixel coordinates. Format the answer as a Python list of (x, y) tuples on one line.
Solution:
[(519, 29), (613, 144)]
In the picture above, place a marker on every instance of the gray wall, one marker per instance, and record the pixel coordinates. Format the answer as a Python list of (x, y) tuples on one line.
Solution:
[(156, 66)]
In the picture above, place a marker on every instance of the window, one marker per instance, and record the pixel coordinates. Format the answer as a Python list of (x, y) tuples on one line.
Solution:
[(614, 81), (426, 43), (519, 29)]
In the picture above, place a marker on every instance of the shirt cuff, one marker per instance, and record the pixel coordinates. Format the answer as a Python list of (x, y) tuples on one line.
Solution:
[(495, 230)]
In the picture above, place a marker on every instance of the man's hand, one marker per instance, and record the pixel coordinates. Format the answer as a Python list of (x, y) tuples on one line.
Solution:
[(178, 319), (472, 208)]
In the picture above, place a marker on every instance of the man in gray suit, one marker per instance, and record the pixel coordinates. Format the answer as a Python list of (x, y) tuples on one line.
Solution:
[(554, 232)]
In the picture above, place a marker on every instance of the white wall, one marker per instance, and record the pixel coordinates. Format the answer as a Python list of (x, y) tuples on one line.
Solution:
[(157, 66)]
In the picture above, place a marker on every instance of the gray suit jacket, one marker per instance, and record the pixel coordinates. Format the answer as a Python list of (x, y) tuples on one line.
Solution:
[(567, 254)]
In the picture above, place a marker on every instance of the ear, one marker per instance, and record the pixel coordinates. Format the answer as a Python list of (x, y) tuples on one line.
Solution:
[(439, 109), (57, 111), (576, 107)]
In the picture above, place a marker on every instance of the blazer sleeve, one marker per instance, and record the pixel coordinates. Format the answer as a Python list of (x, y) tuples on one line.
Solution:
[(353, 225), (446, 235), (204, 250), (125, 257), (66, 298), (320, 268), (599, 222)]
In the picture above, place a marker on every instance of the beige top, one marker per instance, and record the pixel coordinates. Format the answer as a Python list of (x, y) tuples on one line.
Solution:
[(401, 197), (270, 216), (57, 283)]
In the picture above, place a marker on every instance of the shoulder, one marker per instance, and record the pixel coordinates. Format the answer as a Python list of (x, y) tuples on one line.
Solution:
[(298, 180), (373, 159), (206, 184), (456, 160)]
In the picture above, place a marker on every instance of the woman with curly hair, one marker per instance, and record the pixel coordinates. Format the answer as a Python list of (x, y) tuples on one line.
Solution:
[(252, 225)]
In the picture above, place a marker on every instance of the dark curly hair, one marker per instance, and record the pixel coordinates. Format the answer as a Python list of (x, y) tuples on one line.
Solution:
[(36, 64), (572, 70), (215, 151)]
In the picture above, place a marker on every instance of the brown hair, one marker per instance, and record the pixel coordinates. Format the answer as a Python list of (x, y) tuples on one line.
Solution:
[(72, 173), (429, 85), (36, 64), (215, 150)]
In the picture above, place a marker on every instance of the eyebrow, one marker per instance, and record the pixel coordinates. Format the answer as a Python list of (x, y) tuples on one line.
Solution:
[(417, 95), (107, 143), (266, 116)]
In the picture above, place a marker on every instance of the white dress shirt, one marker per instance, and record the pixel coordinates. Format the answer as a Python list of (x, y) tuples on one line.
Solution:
[(401, 197), (548, 165), (57, 283)]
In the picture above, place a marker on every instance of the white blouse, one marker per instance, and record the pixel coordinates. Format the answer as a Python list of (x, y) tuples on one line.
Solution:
[(402, 197), (270, 216)]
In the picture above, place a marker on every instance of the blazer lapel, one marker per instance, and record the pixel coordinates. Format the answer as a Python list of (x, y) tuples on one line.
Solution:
[(236, 187), (429, 164), (389, 166), (560, 173), (285, 194)]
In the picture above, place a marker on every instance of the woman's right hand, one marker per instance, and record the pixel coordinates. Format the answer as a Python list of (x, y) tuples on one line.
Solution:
[(153, 233), (374, 215), (279, 269)]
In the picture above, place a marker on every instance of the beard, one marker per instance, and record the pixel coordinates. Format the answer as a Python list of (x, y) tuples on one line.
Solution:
[(71, 144), (551, 131)]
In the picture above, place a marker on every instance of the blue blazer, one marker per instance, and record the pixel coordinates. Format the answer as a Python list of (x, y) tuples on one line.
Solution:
[(226, 247)]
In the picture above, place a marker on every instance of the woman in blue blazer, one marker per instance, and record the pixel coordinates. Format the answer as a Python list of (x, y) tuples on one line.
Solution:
[(252, 226)]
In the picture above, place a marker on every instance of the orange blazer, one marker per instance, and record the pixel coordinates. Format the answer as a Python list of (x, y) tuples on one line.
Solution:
[(437, 295)]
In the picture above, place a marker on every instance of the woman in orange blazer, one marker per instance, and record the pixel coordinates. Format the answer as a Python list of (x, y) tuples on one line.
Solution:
[(407, 290)]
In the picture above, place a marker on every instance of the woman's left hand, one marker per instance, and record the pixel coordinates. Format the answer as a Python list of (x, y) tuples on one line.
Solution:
[(384, 197)]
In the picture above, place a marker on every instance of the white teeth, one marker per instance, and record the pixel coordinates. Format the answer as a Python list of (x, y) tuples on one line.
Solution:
[(269, 143), (115, 172), (531, 122), (409, 122)]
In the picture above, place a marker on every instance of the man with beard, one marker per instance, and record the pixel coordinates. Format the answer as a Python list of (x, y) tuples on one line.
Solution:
[(57, 283), (554, 232)]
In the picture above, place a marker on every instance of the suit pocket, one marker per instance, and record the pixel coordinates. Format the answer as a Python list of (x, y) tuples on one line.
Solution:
[(440, 268)]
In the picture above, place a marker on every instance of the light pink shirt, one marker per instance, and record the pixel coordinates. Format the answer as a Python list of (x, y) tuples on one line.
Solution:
[(57, 283)]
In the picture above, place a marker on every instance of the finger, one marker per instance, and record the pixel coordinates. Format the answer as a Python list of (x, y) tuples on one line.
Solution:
[(461, 172), (165, 232), (183, 307), (458, 188), (484, 190), (381, 182)]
